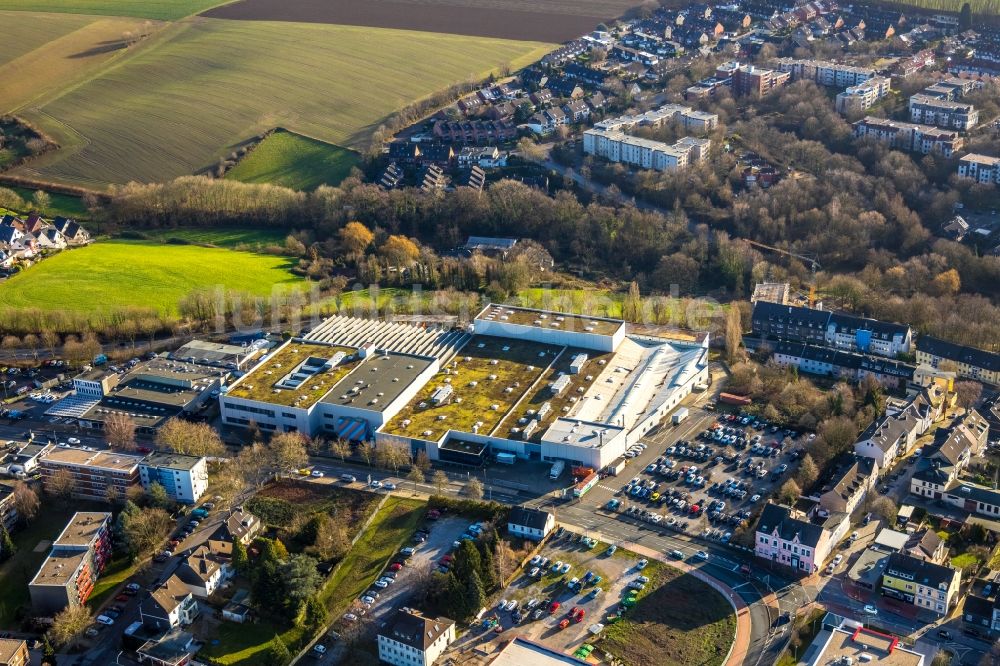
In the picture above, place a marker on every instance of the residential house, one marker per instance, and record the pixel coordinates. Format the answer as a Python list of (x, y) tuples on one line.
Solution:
[(942, 462), (170, 606), (981, 614), (470, 105), (973, 498), (409, 638), (956, 228), (922, 544), (969, 362), (922, 583), (14, 652), (501, 111), (784, 538), (530, 523), (545, 122), (892, 435), (594, 78), (240, 525), (8, 512), (577, 110), (238, 609), (475, 131), (541, 97), (980, 168), (392, 177), (71, 231), (203, 572), (849, 485), (175, 648)]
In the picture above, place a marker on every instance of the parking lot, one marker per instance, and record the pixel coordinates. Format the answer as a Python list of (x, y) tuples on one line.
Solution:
[(576, 584), (704, 478)]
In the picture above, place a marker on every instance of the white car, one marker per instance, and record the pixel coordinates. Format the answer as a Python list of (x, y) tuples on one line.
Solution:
[(319, 649), (388, 485), (350, 617), (556, 566), (381, 584), (838, 559), (641, 564), (318, 475), (565, 568), (535, 560), (369, 600), (73, 440), (375, 484), (701, 555)]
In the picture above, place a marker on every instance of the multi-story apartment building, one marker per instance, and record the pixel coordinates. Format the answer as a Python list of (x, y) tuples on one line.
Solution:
[(915, 138), (97, 475), (14, 652), (980, 168), (942, 112), (924, 584), (645, 153), (67, 576), (863, 96), (830, 329), (794, 542), (943, 461), (892, 435), (969, 362), (411, 639), (751, 80), (185, 478), (826, 73), (8, 512)]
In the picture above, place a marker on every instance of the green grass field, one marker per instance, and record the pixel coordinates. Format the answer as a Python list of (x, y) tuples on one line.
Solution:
[(119, 274), (228, 238), (295, 161), (153, 9), (182, 102), (61, 204)]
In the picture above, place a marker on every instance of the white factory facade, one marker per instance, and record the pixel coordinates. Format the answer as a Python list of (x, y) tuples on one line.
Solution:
[(537, 384)]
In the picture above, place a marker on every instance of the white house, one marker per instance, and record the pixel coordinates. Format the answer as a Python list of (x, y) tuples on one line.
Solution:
[(530, 523), (203, 572), (410, 639), (891, 435), (169, 606)]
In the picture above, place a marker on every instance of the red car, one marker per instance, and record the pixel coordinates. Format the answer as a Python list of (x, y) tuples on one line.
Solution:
[(122, 597), (554, 607), (395, 566), (578, 616), (144, 449)]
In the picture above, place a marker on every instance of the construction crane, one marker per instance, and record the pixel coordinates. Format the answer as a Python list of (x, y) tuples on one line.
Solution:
[(808, 258)]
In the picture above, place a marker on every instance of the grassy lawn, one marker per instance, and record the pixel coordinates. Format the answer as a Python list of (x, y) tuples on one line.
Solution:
[(62, 204), (393, 524), (41, 54), (179, 103), (231, 239), (114, 574), (118, 274), (246, 644), (17, 572), (153, 9), (295, 161), (664, 627)]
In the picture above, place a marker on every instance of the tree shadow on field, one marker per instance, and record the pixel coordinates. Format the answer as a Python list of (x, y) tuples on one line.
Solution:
[(109, 46)]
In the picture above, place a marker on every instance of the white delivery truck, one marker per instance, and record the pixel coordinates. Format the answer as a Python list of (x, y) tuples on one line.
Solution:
[(680, 415), (557, 469)]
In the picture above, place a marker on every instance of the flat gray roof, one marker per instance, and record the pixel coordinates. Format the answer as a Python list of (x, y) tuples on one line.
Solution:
[(382, 377), (172, 460)]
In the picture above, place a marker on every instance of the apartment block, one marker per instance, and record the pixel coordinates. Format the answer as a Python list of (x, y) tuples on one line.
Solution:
[(830, 329), (863, 96), (969, 362), (980, 168), (698, 122), (825, 73), (645, 153), (911, 137), (751, 80), (97, 475), (78, 556), (185, 478), (942, 112)]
